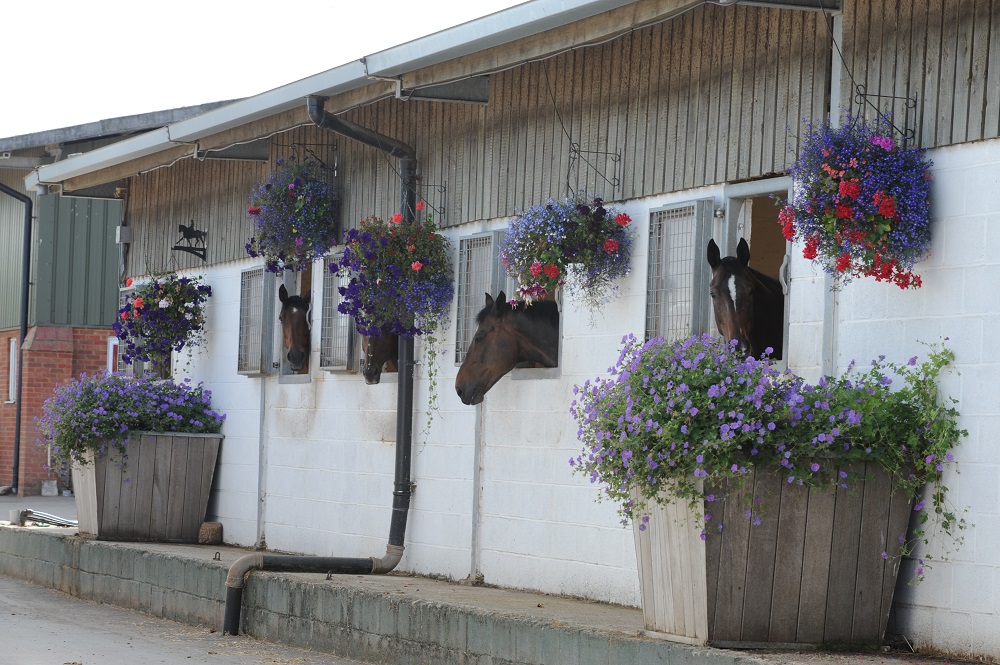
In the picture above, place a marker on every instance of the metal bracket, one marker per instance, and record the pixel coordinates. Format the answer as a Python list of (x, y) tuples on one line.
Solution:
[(907, 132), (575, 153)]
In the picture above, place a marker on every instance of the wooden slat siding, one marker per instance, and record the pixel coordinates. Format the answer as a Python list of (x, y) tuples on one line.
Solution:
[(652, 146), (143, 467), (900, 510), (756, 102), (632, 164), (980, 46), (759, 587), (742, 48), (175, 485), (843, 575), (112, 498), (930, 99), (669, 122), (789, 549), (161, 492), (948, 89), (671, 562), (195, 498), (991, 115), (794, 113), (816, 566), (731, 589), (784, 31), (127, 489), (523, 161), (617, 117), (695, 139), (713, 552), (964, 78), (873, 527), (898, 18), (726, 38)]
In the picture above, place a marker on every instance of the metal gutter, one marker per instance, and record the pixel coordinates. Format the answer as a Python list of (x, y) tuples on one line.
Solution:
[(488, 31)]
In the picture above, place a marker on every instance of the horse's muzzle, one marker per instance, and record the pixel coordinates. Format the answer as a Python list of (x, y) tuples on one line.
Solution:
[(471, 395), (296, 360)]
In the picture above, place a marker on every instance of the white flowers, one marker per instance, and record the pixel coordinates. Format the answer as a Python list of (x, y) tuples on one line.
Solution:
[(164, 304)]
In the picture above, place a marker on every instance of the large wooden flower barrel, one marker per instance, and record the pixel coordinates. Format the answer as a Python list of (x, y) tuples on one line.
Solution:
[(811, 572), (160, 494)]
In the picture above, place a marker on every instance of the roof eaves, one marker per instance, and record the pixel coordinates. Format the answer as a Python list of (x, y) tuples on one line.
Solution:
[(493, 30)]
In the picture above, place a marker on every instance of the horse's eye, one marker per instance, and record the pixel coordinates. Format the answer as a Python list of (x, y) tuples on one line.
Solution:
[(712, 293), (478, 339)]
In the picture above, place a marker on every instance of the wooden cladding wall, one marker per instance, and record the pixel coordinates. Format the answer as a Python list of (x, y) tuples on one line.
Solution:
[(699, 99), (212, 195), (946, 52)]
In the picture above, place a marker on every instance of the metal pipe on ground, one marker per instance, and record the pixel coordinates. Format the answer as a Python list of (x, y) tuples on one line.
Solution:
[(236, 579)]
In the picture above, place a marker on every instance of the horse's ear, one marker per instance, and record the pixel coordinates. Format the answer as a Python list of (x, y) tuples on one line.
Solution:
[(743, 252), (501, 298), (714, 255), (307, 297), (489, 300), (282, 293)]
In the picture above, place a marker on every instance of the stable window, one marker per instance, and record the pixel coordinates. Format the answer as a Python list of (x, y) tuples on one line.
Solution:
[(751, 214), (337, 346), (12, 374), (257, 295), (296, 284), (677, 278), (479, 273)]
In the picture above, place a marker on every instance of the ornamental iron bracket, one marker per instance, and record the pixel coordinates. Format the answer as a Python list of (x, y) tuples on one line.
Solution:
[(886, 106)]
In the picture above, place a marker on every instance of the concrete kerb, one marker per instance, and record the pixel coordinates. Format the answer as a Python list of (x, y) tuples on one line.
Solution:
[(387, 619)]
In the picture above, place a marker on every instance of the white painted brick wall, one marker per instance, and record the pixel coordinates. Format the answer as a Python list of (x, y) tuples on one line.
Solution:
[(330, 443), (955, 609)]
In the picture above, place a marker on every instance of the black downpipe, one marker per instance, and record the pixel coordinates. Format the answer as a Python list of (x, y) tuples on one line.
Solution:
[(404, 414), (25, 277)]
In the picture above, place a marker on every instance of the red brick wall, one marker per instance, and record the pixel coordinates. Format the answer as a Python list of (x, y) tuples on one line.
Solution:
[(52, 356)]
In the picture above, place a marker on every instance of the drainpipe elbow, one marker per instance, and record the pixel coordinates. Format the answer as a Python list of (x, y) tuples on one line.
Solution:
[(393, 553), (238, 571), (314, 107)]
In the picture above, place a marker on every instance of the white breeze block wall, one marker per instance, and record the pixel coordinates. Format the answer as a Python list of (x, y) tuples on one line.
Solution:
[(956, 609)]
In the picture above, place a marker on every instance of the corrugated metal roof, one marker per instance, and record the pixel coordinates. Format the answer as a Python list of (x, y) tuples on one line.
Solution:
[(489, 31)]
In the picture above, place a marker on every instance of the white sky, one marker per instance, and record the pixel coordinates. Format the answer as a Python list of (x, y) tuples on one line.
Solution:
[(67, 63)]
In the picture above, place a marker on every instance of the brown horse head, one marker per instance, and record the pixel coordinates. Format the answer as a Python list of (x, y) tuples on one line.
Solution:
[(508, 334), (381, 353), (294, 319), (749, 306)]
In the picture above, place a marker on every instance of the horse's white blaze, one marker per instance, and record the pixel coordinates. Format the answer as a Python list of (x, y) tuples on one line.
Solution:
[(732, 290)]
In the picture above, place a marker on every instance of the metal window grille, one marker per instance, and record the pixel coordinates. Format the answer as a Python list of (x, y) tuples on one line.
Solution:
[(256, 308), (479, 272), (12, 374), (676, 282), (336, 350)]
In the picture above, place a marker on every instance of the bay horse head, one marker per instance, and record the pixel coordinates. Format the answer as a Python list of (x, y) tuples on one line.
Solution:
[(509, 333), (749, 305), (294, 319), (381, 352)]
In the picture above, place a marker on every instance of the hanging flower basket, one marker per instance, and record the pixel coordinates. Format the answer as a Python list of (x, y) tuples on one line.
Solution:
[(163, 315), (576, 242), (294, 215), (401, 277), (861, 202)]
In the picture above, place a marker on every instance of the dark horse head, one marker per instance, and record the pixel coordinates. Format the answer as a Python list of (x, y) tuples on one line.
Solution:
[(508, 334), (749, 306), (294, 319), (380, 352)]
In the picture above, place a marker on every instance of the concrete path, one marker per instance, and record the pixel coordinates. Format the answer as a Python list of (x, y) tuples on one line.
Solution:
[(391, 619)]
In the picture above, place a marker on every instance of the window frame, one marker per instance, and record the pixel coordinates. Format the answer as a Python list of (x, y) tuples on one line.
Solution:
[(330, 334), (700, 315), (252, 324)]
